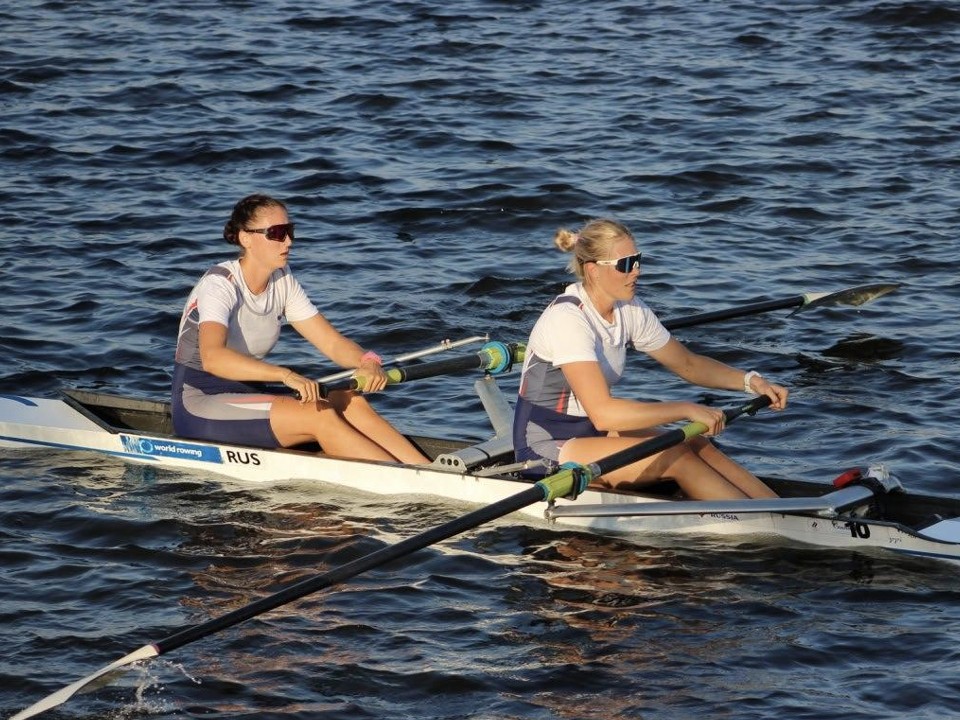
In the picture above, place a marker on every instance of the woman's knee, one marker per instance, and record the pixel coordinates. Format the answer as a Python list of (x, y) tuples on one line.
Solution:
[(699, 443), (683, 458), (705, 449), (344, 402), (310, 418)]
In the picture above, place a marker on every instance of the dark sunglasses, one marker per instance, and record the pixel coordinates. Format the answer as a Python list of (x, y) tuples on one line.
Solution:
[(277, 233), (625, 264)]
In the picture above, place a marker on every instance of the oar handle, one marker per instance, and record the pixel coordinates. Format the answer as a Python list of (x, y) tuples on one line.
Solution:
[(748, 408)]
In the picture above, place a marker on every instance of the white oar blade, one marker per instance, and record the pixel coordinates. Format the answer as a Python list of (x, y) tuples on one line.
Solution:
[(855, 296), (61, 696)]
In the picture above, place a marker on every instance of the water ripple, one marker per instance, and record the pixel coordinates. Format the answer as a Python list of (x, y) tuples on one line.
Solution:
[(429, 153)]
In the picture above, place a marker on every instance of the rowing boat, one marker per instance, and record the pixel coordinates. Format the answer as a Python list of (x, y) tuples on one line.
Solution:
[(873, 514), (868, 511)]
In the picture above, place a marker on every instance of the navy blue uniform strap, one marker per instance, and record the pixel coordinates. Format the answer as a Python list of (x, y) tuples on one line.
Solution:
[(573, 299)]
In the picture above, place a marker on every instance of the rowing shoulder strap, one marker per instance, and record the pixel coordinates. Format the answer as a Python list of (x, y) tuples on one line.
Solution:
[(572, 299), (232, 277), (225, 273)]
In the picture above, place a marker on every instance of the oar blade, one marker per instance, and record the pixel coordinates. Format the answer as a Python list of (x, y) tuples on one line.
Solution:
[(855, 296), (100, 677)]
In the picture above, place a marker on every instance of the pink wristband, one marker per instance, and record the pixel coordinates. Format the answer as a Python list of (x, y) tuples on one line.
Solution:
[(371, 355)]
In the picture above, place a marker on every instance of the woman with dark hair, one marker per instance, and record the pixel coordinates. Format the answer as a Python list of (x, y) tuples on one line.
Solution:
[(230, 322), (577, 352)]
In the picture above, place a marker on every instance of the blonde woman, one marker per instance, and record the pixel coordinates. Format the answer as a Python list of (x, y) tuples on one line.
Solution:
[(575, 355)]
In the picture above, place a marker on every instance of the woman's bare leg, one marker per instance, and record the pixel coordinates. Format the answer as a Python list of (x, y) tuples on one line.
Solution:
[(294, 423), (361, 415), (730, 469)]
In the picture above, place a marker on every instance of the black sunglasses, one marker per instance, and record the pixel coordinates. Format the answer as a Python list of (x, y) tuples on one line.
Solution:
[(625, 264), (277, 233)]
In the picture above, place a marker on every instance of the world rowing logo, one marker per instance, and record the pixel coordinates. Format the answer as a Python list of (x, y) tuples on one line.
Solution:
[(154, 447)]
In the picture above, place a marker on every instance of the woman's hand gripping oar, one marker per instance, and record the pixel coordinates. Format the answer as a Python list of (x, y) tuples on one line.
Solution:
[(567, 482)]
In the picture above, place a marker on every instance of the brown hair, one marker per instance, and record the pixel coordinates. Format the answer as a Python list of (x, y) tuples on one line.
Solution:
[(243, 213), (591, 243)]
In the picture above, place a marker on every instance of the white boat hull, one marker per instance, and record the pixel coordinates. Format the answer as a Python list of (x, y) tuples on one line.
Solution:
[(52, 423)]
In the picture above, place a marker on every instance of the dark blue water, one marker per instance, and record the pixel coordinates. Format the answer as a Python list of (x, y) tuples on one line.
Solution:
[(428, 151)]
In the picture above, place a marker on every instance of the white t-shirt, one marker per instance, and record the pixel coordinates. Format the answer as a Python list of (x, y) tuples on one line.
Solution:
[(253, 321), (570, 332)]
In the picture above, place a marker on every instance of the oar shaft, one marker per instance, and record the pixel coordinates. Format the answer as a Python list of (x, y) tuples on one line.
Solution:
[(432, 350), (730, 313), (568, 481), (854, 296), (356, 567), (491, 357), (557, 485)]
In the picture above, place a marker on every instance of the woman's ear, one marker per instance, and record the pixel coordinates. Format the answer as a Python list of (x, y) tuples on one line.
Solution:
[(590, 271)]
